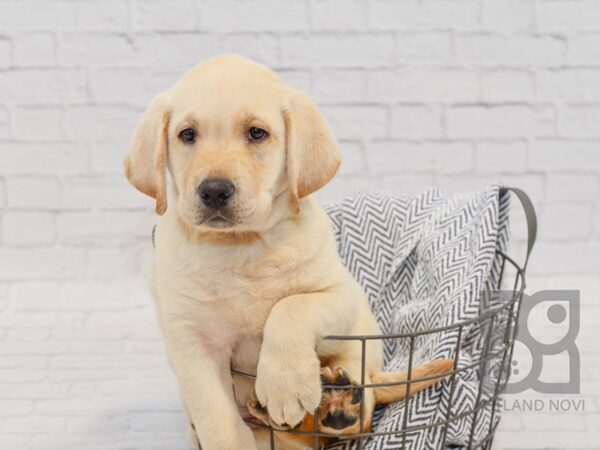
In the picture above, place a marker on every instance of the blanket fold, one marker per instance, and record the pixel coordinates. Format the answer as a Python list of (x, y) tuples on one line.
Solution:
[(426, 261)]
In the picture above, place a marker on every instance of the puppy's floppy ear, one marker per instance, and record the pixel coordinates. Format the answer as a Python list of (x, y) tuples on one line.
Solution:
[(313, 156), (145, 164)]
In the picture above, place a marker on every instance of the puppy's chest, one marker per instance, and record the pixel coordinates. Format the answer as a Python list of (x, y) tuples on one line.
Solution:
[(242, 293)]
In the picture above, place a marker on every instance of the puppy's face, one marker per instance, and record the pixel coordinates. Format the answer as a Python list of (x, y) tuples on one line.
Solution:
[(227, 148), (236, 141)]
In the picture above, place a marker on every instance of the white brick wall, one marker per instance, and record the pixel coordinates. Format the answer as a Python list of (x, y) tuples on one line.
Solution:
[(455, 93)]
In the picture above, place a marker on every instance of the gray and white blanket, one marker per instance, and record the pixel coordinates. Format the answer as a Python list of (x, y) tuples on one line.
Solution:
[(424, 261)]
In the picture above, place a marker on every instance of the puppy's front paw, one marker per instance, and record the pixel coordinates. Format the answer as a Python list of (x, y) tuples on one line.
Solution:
[(288, 385)]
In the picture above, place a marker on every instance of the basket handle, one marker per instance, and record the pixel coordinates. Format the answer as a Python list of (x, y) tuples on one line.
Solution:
[(530, 217)]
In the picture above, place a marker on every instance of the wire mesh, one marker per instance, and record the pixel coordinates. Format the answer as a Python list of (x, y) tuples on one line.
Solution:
[(494, 354)]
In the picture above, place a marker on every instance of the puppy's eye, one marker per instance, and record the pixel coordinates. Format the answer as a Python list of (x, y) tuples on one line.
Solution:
[(257, 134), (188, 135)]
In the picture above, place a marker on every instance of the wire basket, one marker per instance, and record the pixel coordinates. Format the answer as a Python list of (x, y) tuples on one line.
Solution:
[(493, 367)]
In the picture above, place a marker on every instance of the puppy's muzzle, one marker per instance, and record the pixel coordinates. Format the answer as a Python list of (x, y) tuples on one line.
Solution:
[(215, 193)]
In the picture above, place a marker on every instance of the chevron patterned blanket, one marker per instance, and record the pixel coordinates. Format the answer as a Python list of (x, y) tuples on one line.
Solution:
[(424, 261)]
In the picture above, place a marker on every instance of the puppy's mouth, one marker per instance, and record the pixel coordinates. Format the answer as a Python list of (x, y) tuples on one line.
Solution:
[(217, 220)]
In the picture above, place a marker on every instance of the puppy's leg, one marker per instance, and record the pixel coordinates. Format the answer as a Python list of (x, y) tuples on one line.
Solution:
[(288, 375), (435, 370), (207, 393)]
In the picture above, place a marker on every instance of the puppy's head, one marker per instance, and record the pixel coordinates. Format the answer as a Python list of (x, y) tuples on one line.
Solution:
[(238, 144)]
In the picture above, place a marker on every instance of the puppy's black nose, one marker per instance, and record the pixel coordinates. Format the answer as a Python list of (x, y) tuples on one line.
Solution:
[(216, 192)]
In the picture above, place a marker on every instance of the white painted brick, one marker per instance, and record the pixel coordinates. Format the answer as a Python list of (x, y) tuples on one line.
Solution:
[(579, 120), (405, 182), (26, 425), (20, 375), (115, 84), (6, 53), (33, 192), (571, 85), (40, 264), (48, 158), (261, 15), (104, 15), (129, 261), (25, 362), (501, 157), (555, 155), (90, 295), (584, 49), (587, 440), (33, 15), (96, 48), (298, 79), (518, 50), (34, 391), (28, 228), (425, 47), (549, 258), (507, 15), (93, 192), (92, 347), (550, 421), (510, 422), (562, 15), (42, 85), (36, 319), (566, 222), (338, 14), (106, 228), (572, 188), (338, 50), (340, 85), (394, 157), (160, 80), (35, 49), (4, 124), (352, 158), (592, 420), (35, 295), (107, 155), (264, 48), (357, 122), (178, 51), (100, 122), (532, 184), (416, 121), (500, 121), (2, 193), (451, 93), (94, 425), (177, 15), (3, 298), (17, 408), (37, 124), (424, 84), (67, 361), (343, 186), (164, 422), (508, 85), (408, 14)]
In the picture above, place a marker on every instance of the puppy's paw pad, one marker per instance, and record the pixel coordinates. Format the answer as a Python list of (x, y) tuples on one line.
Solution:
[(339, 411)]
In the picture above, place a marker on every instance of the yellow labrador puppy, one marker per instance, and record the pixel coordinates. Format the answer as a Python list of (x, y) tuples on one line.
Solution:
[(246, 270)]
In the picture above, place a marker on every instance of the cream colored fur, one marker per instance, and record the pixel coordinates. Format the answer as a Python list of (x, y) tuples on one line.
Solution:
[(261, 292)]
